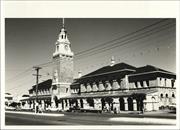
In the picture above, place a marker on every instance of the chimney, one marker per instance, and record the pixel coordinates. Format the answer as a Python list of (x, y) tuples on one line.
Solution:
[(79, 74), (112, 61)]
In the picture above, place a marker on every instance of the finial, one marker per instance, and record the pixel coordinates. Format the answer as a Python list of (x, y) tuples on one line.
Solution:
[(112, 61), (63, 22)]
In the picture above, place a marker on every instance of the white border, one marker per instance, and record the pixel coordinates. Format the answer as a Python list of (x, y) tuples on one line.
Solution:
[(80, 9)]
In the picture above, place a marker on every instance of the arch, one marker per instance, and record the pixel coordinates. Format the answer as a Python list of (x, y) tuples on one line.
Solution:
[(122, 106), (130, 104)]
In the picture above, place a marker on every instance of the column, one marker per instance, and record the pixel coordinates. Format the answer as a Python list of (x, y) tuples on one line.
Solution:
[(116, 104), (42, 104), (85, 103), (126, 103), (134, 104), (79, 103), (97, 103), (64, 103)]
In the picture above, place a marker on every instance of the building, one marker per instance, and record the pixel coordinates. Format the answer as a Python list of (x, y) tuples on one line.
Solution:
[(44, 96), (125, 88), (120, 87), (8, 99)]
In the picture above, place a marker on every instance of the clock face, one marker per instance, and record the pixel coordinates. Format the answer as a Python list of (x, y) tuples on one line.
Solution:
[(66, 47)]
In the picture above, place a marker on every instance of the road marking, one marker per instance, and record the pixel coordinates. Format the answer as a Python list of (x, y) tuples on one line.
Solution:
[(145, 120), (38, 114)]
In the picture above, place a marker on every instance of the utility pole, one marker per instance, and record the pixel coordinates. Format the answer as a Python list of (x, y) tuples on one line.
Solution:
[(37, 68)]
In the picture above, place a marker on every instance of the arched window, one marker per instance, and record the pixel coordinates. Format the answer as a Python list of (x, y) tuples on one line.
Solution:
[(166, 95), (57, 48), (161, 95), (173, 95)]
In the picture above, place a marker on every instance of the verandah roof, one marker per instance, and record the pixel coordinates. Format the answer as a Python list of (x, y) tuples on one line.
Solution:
[(112, 93)]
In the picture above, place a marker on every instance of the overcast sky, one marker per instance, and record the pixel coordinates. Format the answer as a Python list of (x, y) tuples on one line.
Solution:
[(30, 42)]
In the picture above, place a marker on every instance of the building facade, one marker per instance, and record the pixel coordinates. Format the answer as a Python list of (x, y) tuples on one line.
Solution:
[(124, 88)]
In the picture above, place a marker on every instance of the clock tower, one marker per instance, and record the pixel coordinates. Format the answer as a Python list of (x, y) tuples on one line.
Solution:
[(62, 66)]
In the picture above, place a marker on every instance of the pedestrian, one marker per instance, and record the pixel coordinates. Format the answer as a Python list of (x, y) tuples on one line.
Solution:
[(115, 110)]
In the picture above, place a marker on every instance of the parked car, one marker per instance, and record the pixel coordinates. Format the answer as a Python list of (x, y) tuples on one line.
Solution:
[(9, 108), (53, 109)]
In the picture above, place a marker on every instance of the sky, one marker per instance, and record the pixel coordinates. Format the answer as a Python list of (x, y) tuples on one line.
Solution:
[(138, 42)]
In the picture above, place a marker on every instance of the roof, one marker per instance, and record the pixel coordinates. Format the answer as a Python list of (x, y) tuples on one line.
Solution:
[(112, 93), (43, 85), (149, 68), (149, 72), (110, 69)]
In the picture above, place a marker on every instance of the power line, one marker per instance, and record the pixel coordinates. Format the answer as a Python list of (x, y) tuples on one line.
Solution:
[(126, 42), (124, 36), (20, 74)]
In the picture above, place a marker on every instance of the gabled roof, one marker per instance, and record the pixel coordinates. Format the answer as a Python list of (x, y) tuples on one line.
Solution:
[(43, 85), (111, 69), (148, 69), (149, 72)]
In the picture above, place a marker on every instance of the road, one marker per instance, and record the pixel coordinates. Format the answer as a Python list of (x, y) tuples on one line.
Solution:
[(72, 119)]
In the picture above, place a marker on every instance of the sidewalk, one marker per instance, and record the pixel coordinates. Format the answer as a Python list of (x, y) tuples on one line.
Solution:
[(145, 120), (33, 113), (157, 114)]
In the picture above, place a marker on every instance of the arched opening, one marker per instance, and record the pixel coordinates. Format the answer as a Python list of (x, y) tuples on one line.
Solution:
[(122, 106), (130, 104), (139, 104), (103, 103), (166, 95), (81, 102), (173, 95)]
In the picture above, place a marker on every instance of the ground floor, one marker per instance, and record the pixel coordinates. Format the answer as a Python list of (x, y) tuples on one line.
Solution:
[(141, 100)]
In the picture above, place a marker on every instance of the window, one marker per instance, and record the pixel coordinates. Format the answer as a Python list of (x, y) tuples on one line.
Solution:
[(57, 48), (136, 84), (172, 83), (147, 82), (161, 95), (166, 95), (66, 90), (141, 82), (173, 95)]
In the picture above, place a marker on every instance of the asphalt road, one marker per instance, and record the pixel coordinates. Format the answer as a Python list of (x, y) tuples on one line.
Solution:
[(67, 119)]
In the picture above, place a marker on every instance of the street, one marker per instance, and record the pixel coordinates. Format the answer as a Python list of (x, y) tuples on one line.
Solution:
[(80, 119)]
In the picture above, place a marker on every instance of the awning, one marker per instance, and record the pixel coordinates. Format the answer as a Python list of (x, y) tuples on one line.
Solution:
[(112, 94), (39, 97)]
